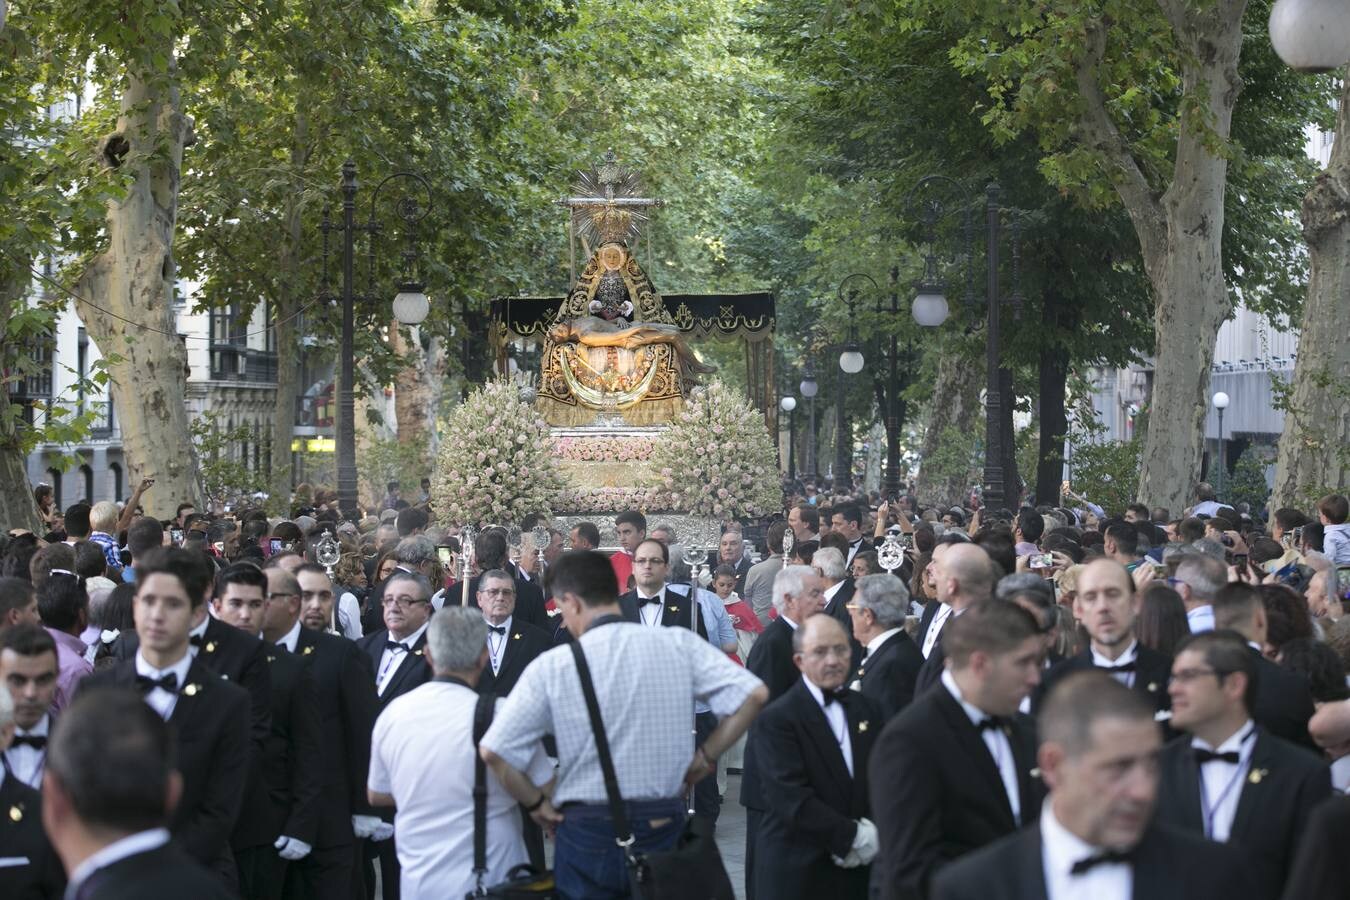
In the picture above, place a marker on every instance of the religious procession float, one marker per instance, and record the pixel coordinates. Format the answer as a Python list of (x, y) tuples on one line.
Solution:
[(618, 412)]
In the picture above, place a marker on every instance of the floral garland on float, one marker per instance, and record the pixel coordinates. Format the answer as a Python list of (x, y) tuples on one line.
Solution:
[(716, 458), (496, 462)]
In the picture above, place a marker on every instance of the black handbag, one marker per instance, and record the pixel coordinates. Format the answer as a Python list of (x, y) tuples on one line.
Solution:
[(692, 869), (523, 882)]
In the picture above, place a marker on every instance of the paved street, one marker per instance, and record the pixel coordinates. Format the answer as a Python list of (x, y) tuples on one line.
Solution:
[(731, 834)]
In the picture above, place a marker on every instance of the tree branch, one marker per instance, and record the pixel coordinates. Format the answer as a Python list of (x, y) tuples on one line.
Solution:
[(1140, 201)]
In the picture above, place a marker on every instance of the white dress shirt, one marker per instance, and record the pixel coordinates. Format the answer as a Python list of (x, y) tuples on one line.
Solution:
[(1221, 782), (832, 590), (1000, 748), (25, 763), (496, 644), (853, 550), (392, 658), (935, 628), (1061, 849), (291, 639), (836, 718), (160, 700), (650, 613), (1200, 619), (1130, 655), (131, 845)]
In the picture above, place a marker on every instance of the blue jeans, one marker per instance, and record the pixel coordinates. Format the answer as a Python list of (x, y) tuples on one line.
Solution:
[(589, 865)]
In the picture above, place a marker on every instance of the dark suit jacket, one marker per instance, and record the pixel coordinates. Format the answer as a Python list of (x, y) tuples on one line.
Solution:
[(523, 643), (412, 672), (930, 673), (347, 710), (770, 660), (1169, 865), (530, 607), (164, 872), (929, 613), (812, 810), (937, 793), (210, 724), (1322, 867), (235, 656), (1152, 673), (1271, 812), (887, 676), (1284, 702), (675, 610), (21, 835), (284, 798)]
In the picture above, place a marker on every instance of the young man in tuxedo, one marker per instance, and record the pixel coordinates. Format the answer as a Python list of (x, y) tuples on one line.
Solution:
[(812, 744), (109, 784), (954, 771), (347, 709), (847, 520), (964, 576), (279, 820), (631, 528), (798, 593), (28, 671), (398, 656), (651, 602), (1107, 606), (1228, 778), (891, 660), (1093, 837), (210, 715), (29, 867), (1283, 703)]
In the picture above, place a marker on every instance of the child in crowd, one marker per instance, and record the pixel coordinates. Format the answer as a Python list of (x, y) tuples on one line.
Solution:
[(743, 618), (1333, 510)]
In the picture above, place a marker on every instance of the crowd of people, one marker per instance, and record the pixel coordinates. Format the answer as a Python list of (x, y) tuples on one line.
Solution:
[(1061, 702)]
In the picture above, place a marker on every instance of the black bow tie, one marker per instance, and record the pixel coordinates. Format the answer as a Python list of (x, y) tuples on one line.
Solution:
[(1105, 858), (147, 684), (993, 723), (497, 629), (36, 741), (1123, 667), (1203, 756), (643, 601), (196, 640), (836, 696), (395, 645)]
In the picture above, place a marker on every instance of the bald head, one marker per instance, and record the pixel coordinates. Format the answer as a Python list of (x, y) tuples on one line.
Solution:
[(1103, 572), (821, 651), (965, 576), (818, 628)]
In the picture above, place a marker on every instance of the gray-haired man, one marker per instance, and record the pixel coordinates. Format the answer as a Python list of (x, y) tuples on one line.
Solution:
[(891, 660), (434, 818)]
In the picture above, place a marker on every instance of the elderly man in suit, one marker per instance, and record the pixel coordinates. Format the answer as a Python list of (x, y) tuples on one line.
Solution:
[(954, 771), (812, 744), (1094, 836), (891, 660), (964, 575), (1227, 777)]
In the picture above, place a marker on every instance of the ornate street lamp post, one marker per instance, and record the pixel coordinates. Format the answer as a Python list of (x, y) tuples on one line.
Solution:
[(1220, 401), (809, 388), (789, 405), (410, 305)]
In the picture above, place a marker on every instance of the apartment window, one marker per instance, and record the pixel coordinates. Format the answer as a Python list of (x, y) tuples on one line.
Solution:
[(115, 473)]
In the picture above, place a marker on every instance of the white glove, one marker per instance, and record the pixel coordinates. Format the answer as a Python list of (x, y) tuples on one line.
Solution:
[(365, 826), (866, 843), (291, 849), (383, 832), (848, 862)]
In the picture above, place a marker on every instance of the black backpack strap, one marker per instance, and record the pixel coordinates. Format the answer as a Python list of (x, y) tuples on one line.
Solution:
[(482, 719), (623, 833)]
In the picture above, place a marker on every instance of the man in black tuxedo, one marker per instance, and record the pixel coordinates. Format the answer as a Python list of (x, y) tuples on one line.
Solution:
[(1284, 701), (347, 709), (279, 819), (109, 781), (398, 655), (1107, 606), (954, 771), (1228, 778), (964, 575), (31, 870), (797, 594), (891, 660), (28, 672), (846, 519), (491, 552), (1093, 837), (829, 563), (210, 715), (512, 645), (730, 552), (812, 744), (651, 602)]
